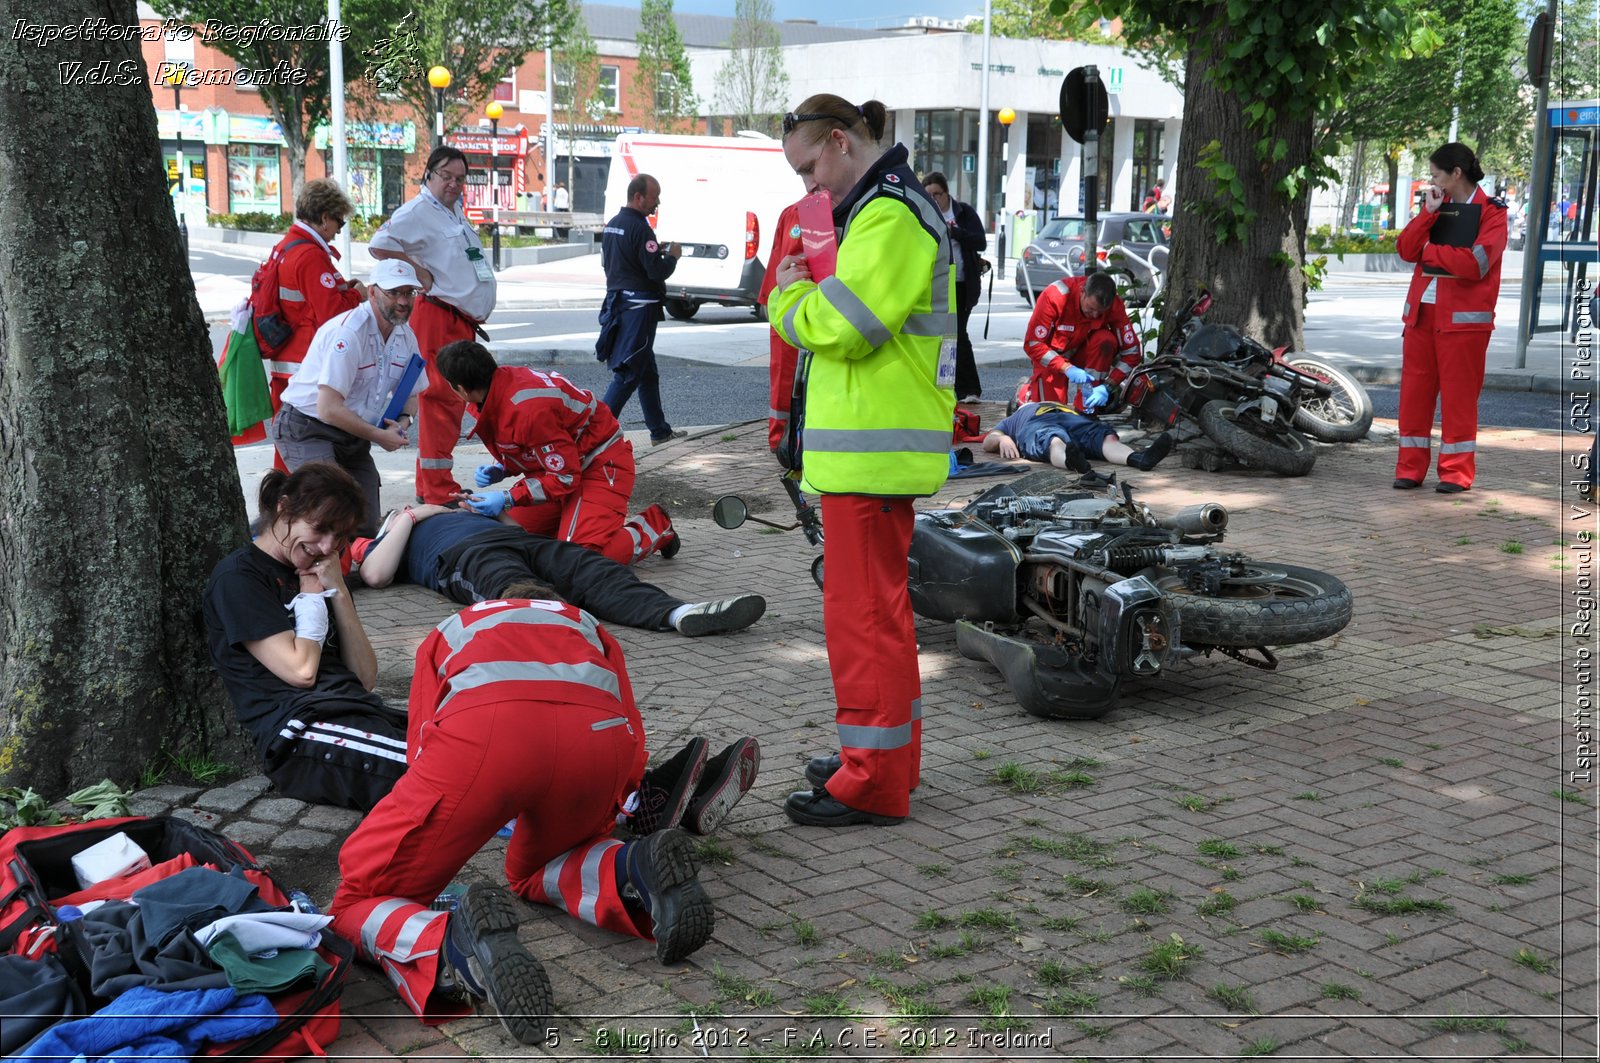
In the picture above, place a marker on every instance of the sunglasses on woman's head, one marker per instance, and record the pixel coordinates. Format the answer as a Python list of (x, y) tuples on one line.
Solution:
[(791, 120)]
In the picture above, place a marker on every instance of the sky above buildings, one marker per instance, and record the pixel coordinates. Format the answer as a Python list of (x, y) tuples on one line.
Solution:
[(865, 14)]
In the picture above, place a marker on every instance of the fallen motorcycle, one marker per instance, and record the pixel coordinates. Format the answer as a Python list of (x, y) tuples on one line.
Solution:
[(1070, 588), (1248, 400)]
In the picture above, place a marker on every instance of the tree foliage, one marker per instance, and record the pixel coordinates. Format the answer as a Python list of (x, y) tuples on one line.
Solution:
[(663, 89), (752, 85), (1575, 54), (577, 86), (1257, 75)]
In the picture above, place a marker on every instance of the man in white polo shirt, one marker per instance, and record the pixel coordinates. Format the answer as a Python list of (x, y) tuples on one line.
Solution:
[(333, 405), (432, 233)]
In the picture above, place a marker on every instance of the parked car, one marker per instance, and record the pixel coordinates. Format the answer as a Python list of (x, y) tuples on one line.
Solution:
[(1058, 251)]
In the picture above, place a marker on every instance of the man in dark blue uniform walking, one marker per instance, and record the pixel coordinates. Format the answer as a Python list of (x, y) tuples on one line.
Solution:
[(636, 268)]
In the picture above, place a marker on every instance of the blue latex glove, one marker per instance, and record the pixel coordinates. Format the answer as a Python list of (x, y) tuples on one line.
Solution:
[(1078, 376), (491, 473), (488, 503), (1096, 398)]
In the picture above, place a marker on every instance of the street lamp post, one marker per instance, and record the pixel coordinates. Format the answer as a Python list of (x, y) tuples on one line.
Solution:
[(494, 111), (176, 80), (1005, 117), (439, 78)]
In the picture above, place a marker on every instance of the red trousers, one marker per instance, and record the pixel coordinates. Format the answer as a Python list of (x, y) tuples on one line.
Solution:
[(872, 651), (596, 514), (784, 358), (471, 771), (438, 409), (1446, 367)]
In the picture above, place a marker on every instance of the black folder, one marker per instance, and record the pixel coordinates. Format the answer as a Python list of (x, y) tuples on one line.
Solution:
[(1456, 226)]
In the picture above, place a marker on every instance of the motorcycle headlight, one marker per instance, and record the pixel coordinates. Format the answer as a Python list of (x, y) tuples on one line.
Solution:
[(1150, 642)]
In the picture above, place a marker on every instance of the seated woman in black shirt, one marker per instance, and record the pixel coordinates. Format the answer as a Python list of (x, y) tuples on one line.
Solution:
[(291, 651)]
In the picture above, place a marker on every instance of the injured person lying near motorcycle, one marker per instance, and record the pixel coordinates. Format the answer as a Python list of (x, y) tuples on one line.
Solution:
[(1053, 432), (472, 558)]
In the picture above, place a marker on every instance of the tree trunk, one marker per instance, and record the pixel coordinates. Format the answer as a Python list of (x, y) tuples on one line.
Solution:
[(1392, 161), (1353, 187), (118, 490), (1257, 283)]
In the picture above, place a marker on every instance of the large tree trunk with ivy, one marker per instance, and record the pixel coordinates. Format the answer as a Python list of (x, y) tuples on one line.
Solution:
[(1236, 232), (118, 490)]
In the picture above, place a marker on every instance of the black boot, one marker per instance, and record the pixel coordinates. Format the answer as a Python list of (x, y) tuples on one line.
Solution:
[(1148, 458)]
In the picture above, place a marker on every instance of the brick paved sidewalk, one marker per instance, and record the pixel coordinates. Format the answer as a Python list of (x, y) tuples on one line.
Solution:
[(1372, 853)]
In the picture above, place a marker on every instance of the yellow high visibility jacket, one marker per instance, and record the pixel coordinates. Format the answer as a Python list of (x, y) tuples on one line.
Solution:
[(880, 341)]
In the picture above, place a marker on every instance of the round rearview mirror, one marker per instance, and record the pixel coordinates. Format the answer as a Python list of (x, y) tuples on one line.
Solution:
[(729, 511)]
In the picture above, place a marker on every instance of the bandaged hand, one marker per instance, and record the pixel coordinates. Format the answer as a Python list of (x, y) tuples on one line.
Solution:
[(310, 615)]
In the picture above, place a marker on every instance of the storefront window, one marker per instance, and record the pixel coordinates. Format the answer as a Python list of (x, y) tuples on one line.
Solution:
[(253, 179), (366, 181), (1147, 146)]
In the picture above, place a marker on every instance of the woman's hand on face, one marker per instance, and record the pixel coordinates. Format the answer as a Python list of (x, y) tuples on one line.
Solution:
[(1432, 198), (325, 574), (792, 268)]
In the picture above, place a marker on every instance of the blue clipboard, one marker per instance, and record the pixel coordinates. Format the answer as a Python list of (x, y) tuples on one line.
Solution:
[(402, 391)]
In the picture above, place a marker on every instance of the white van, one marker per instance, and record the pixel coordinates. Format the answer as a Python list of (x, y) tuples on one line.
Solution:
[(720, 198)]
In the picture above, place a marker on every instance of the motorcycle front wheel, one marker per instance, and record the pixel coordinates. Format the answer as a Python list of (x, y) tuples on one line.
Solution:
[(1274, 447), (1343, 417), (1283, 606)]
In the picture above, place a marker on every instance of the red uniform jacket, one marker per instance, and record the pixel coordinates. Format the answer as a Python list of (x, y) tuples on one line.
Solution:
[(1463, 301), (311, 292), (519, 650), (785, 242), (545, 427), (1058, 334)]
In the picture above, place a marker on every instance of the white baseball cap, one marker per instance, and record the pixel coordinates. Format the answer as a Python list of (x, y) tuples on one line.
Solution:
[(392, 273)]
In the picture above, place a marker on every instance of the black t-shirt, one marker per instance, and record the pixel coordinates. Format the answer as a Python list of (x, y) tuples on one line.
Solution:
[(246, 600)]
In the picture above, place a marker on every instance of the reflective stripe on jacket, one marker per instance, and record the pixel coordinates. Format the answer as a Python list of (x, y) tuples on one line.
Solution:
[(1464, 300)]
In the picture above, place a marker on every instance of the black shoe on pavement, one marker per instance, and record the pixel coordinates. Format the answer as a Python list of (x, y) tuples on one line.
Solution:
[(1448, 488), (1148, 458), (820, 769), (668, 436), (662, 869), (1401, 483), (818, 808), (727, 778), (723, 615), (482, 951), (665, 791)]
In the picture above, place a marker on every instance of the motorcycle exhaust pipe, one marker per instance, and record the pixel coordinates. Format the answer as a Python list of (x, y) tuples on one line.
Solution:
[(1206, 519)]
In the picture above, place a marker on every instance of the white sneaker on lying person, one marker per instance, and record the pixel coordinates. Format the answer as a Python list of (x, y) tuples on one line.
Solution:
[(715, 618)]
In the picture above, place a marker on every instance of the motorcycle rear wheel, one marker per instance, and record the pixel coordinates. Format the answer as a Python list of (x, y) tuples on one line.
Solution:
[(1343, 417), (1276, 448), (1291, 606)]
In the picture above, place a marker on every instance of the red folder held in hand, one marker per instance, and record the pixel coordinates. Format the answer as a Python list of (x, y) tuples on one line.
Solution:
[(816, 235)]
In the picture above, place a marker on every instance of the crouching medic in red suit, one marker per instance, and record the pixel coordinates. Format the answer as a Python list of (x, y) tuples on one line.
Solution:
[(1080, 342), (518, 709), (1448, 314), (576, 466)]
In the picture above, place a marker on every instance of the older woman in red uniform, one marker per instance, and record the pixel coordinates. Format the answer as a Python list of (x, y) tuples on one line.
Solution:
[(1448, 314)]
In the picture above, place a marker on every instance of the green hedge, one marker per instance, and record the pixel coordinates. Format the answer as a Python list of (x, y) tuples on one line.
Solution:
[(361, 226), (1324, 241)]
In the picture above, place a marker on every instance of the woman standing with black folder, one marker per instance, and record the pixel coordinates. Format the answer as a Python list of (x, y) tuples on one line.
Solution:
[(1456, 241)]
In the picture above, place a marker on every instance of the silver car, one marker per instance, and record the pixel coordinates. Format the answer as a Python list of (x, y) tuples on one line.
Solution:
[(1059, 251)]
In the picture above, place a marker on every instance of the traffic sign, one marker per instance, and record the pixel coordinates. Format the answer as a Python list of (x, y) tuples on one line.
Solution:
[(1084, 107)]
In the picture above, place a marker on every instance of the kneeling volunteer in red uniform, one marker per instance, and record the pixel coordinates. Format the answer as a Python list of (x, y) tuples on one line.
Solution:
[(1080, 342), (577, 468), (518, 709)]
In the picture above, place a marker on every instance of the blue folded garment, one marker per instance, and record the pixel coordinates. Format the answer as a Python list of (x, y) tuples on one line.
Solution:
[(149, 1024)]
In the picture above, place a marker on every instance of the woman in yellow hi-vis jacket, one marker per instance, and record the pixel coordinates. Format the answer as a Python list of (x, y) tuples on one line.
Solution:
[(879, 399)]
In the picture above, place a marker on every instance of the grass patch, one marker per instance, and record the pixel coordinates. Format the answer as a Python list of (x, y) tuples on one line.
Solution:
[(1007, 872), (909, 1003), (1340, 991), (1055, 975), (733, 988), (832, 1004), (1526, 957), (1218, 848), (989, 919), (1261, 1046), (1288, 944), (1229, 874), (1570, 795), (1093, 1031), (1234, 997), (1307, 795), (1170, 958), (1145, 901), (1089, 887), (1076, 847), (1400, 905), (805, 934), (1470, 1024), (996, 1000), (1021, 780), (1304, 903), (729, 437), (713, 851), (889, 961), (1195, 803), (947, 950), (1061, 922), (200, 767), (1511, 546), (933, 870), (932, 921), (1512, 880), (1465, 540), (1393, 762), (1217, 904), (1072, 1002)]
